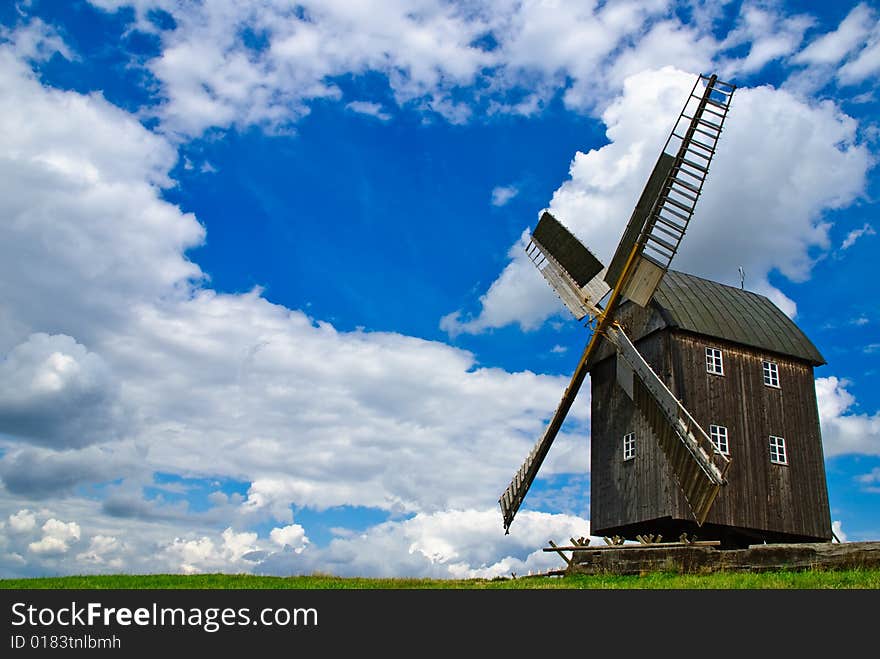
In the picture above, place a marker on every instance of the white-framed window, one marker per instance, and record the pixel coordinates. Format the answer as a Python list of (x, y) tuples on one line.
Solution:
[(714, 362), (771, 374), (718, 435), (629, 446), (777, 450)]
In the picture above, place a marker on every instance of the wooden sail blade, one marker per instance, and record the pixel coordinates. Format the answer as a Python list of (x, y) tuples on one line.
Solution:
[(697, 467), (639, 217), (515, 493), (664, 210), (577, 261), (570, 268)]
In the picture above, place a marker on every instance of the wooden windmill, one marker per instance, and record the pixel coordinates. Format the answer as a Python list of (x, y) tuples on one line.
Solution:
[(622, 295)]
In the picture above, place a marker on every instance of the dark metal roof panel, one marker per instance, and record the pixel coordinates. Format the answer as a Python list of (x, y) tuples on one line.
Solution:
[(706, 307)]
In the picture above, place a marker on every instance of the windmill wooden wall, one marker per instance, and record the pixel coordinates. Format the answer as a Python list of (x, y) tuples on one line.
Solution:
[(762, 501)]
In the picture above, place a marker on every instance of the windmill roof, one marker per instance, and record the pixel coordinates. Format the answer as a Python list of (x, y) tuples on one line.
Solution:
[(706, 307)]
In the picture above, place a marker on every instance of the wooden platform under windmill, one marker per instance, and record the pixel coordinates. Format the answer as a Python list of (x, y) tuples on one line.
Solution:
[(700, 557)]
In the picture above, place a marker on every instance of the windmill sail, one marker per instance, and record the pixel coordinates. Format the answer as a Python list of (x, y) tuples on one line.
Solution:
[(650, 241), (667, 204), (569, 267), (513, 496), (697, 466)]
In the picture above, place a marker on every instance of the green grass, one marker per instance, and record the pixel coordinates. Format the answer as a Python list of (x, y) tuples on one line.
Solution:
[(811, 579)]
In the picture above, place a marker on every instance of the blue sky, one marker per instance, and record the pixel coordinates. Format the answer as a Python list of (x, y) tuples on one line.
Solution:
[(264, 301)]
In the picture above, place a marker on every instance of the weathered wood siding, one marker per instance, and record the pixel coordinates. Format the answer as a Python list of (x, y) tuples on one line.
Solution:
[(762, 500)]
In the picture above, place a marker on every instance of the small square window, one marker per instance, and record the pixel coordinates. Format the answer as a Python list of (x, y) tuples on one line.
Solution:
[(718, 435), (629, 446), (714, 362), (777, 450), (771, 374)]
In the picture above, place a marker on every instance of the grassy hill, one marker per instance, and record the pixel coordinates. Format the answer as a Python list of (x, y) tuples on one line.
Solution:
[(812, 579)]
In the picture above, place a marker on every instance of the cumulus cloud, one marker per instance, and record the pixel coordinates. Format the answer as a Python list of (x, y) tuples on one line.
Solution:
[(103, 551), (467, 543), (57, 536), (224, 64), (56, 393), (781, 163), (120, 362), (85, 232), (212, 77), (204, 554), (22, 521), (844, 430), (292, 535), (458, 544)]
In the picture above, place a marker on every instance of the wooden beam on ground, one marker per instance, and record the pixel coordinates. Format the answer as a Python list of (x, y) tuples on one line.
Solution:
[(658, 545)]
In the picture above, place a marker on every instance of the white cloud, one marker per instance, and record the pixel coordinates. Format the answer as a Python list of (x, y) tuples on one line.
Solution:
[(85, 232), (465, 543), (204, 554), (212, 78), (437, 57), (103, 550), (864, 65), (449, 544), (220, 386), (226, 64), (57, 536), (834, 46), (368, 108), (855, 234), (870, 481), (35, 40), (502, 194), (781, 163), (769, 36), (292, 535), (22, 521), (845, 431), (519, 295)]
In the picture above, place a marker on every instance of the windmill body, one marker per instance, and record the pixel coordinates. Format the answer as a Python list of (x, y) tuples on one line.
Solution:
[(744, 370)]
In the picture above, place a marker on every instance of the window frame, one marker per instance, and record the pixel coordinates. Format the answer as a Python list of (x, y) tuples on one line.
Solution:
[(771, 373), (778, 450), (629, 446), (714, 361), (723, 438)]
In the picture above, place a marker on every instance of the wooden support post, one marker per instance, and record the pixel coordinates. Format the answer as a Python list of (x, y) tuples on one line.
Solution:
[(559, 551)]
